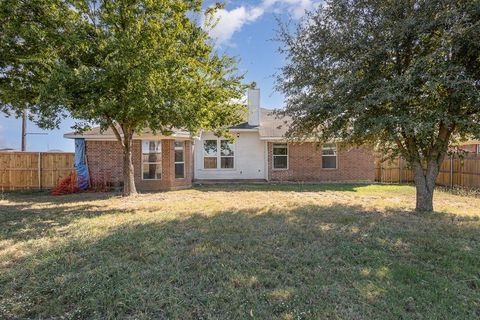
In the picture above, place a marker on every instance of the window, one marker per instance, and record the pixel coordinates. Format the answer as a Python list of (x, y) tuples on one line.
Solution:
[(226, 154), (212, 159), (151, 160), (280, 156), (210, 154), (329, 156), (179, 160), (478, 148)]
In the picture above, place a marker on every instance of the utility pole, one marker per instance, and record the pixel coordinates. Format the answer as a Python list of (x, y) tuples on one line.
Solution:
[(24, 130)]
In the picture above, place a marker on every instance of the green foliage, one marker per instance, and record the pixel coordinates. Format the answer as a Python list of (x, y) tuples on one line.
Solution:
[(403, 75), (29, 46), (124, 64), (127, 65)]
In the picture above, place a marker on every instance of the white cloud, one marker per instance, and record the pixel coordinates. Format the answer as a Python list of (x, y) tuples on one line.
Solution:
[(299, 7), (231, 21)]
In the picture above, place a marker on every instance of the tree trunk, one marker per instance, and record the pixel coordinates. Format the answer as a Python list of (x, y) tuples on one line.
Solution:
[(129, 188), (425, 185)]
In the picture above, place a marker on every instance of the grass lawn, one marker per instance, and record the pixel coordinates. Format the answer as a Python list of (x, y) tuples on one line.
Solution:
[(240, 252)]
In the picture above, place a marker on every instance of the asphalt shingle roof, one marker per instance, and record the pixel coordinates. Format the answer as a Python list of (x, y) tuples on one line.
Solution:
[(271, 126)]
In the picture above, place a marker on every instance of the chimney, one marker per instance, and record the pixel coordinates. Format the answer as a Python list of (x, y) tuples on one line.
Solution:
[(253, 97)]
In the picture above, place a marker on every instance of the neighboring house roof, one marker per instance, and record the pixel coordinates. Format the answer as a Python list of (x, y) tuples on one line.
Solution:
[(271, 127), (467, 142)]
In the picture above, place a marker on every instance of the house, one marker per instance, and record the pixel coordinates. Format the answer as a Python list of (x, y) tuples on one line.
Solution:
[(259, 152), (470, 147)]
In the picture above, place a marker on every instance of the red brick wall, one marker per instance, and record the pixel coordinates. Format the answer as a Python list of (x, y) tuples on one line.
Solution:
[(105, 162), (305, 164)]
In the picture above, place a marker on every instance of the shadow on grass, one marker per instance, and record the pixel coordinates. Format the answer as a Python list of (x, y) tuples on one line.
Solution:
[(21, 218), (289, 187), (304, 262)]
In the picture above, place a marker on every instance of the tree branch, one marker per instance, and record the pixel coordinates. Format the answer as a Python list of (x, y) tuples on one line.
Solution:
[(114, 129)]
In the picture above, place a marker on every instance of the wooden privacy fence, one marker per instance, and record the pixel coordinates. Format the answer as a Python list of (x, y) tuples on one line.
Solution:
[(454, 172), (34, 170)]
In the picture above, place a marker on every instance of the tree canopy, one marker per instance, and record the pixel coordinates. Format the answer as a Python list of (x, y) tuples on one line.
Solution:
[(145, 64), (30, 42), (402, 75), (121, 64)]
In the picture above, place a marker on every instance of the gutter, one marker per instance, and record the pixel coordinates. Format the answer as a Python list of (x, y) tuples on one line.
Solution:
[(185, 136), (244, 130)]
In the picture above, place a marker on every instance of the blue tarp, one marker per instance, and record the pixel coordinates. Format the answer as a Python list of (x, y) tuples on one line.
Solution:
[(80, 164)]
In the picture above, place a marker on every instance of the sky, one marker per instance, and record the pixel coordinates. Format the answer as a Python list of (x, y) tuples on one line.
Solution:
[(245, 30)]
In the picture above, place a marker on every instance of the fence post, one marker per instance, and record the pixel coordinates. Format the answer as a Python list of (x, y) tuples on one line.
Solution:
[(400, 169), (10, 173), (39, 171), (460, 173), (381, 172), (451, 171)]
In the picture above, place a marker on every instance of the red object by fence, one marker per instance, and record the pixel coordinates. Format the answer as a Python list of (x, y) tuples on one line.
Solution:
[(66, 186)]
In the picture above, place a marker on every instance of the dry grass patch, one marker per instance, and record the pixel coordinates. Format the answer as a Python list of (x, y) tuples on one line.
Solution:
[(249, 251)]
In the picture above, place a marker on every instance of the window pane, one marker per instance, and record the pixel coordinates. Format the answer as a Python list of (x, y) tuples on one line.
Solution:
[(210, 162), (226, 163), (151, 146), (280, 149), (280, 162), (329, 149), (178, 145), (179, 170), (329, 162), (152, 157), (210, 147), (226, 148), (178, 155), (152, 171)]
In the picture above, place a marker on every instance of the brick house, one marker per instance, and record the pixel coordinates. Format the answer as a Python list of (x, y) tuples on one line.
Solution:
[(259, 152), (471, 148)]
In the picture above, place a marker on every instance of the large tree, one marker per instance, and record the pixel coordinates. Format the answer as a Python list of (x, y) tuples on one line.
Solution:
[(29, 46), (128, 65), (403, 75)]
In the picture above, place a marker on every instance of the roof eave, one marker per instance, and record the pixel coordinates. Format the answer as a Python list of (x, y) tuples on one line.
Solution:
[(282, 138), (273, 138), (244, 130), (112, 137)]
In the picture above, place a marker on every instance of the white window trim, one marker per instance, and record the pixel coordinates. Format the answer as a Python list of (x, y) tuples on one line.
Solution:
[(179, 162), (219, 163), (331, 155), (161, 162), (287, 155), (478, 148), (219, 155), (207, 156)]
